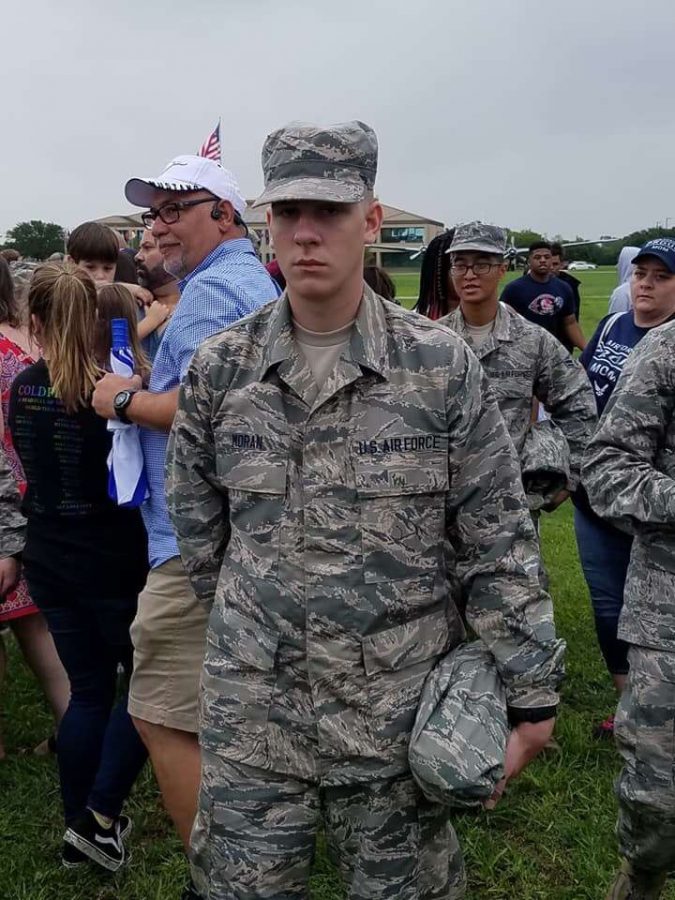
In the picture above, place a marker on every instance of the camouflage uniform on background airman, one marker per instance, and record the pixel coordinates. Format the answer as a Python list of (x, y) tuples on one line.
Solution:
[(523, 361), (323, 527), (22, 273), (12, 522), (629, 474)]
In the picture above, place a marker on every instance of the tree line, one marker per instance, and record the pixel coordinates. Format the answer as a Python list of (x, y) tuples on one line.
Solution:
[(38, 240), (600, 254)]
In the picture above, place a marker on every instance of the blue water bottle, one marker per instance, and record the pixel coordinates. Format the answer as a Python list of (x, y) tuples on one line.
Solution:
[(121, 354), (127, 482)]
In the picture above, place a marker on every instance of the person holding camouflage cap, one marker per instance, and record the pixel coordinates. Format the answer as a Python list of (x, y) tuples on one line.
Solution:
[(335, 464), (522, 361), (629, 473)]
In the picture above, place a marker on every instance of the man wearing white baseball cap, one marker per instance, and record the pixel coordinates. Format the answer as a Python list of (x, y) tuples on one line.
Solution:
[(185, 232), (195, 211)]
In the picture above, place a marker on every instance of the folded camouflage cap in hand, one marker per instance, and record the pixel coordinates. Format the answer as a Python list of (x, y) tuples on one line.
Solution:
[(457, 747), (545, 464), (337, 163)]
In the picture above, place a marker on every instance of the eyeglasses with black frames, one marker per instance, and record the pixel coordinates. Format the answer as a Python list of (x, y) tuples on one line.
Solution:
[(479, 268), (169, 212)]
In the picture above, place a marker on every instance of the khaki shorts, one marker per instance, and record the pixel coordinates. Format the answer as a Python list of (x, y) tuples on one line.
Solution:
[(169, 638)]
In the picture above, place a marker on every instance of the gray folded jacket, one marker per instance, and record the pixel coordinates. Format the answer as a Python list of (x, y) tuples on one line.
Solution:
[(544, 463), (458, 742)]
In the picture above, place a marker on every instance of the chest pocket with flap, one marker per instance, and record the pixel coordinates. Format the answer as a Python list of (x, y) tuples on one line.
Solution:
[(253, 470), (402, 507)]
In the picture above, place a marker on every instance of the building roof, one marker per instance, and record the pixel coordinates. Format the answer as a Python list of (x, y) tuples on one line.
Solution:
[(393, 216), (133, 220)]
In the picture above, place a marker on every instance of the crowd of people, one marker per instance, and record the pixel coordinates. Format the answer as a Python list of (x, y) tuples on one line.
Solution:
[(343, 501)]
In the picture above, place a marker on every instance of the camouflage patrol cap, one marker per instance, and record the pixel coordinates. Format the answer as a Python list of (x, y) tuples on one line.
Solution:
[(307, 162), (478, 238), (457, 748)]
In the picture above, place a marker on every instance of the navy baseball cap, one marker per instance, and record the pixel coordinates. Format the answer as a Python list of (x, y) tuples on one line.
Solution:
[(662, 248)]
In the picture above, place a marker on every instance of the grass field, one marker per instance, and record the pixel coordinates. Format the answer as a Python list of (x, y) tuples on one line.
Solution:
[(550, 839)]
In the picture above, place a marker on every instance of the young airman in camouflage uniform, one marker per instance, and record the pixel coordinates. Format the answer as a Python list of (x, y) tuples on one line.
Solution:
[(521, 360), (334, 464), (12, 528), (629, 474)]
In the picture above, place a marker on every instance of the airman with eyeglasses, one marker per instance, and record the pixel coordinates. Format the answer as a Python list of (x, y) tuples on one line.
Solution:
[(523, 363), (480, 267)]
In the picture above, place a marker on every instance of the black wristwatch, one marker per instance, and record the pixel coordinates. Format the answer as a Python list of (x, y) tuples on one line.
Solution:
[(120, 404)]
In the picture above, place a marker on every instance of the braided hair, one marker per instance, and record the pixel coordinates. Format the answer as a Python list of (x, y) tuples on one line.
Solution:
[(437, 296)]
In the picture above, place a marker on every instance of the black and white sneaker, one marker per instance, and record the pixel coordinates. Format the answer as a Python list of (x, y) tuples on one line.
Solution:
[(72, 858), (101, 845)]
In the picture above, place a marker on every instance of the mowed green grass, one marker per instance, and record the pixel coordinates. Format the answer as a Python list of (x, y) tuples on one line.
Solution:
[(550, 839)]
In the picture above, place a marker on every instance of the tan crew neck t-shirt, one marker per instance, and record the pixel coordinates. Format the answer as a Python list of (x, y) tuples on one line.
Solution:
[(480, 333), (322, 349)]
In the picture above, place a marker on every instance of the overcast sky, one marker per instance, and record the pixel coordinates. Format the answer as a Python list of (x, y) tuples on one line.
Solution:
[(551, 115)]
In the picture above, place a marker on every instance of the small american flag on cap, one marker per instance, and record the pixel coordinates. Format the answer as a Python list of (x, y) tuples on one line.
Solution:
[(210, 149)]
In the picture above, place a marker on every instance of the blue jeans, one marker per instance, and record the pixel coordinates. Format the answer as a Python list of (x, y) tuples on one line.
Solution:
[(99, 751), (605, 553)]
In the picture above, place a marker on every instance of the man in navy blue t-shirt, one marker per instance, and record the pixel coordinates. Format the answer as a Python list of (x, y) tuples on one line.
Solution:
[(542, 298)]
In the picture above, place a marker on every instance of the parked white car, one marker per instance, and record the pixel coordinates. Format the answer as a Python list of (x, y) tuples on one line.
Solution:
[(581, 266)]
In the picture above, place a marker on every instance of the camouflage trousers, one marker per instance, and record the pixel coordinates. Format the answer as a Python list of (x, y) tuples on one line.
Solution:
[(255, 835), (645, 735)]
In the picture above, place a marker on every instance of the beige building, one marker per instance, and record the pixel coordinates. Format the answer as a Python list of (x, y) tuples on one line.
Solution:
[(130, 227), (402, 234)]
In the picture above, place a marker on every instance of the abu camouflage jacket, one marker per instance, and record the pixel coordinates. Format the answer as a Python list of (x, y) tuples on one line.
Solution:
[(629, 474), (522, 361), (325, 532), (12, 522)]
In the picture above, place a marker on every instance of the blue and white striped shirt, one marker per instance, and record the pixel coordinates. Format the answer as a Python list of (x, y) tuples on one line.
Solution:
[(228, 284)]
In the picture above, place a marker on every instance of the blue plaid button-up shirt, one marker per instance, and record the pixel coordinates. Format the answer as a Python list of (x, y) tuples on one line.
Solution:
[(228, 284)]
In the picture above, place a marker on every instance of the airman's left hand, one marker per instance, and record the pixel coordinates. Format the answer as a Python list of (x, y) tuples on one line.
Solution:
[(525, 742), (557, 501)]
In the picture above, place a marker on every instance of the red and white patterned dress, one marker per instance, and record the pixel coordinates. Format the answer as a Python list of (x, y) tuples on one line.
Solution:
[(12, 361)]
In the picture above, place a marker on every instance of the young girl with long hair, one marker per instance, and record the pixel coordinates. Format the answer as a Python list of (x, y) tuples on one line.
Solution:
[(115, 301), (85, 561)]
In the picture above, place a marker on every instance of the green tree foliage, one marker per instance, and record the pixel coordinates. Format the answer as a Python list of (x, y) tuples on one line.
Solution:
[(600, 254), (637, 238), (36, 239), (607, 254), (591, 252), (523, 239)]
